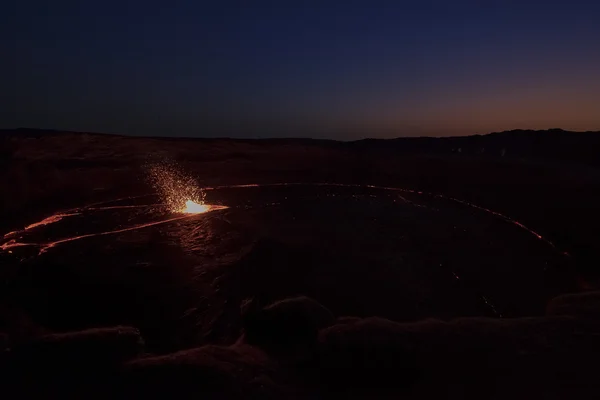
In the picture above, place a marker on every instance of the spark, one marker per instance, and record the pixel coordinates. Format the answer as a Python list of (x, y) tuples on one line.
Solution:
[(178, 191)]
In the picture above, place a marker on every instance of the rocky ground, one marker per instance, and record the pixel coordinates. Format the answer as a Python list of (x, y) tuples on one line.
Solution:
[(296, 348), (88, 319)]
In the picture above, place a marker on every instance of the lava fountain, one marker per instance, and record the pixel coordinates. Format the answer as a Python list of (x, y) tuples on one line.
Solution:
[(179, 192), (191, 207)]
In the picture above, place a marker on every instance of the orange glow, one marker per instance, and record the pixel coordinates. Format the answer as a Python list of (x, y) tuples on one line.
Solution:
[(178, 191), (182, 195), (191, 207)]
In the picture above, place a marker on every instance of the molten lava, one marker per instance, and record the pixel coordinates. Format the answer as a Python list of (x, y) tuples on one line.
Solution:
[(191, 207), (179, 192)]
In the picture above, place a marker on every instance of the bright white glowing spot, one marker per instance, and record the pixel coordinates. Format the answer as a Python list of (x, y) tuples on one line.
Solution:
[(179, 192), (191, 207)]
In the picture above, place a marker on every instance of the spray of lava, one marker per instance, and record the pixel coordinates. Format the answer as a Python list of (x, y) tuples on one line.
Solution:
[(191, 207), (178, 191)]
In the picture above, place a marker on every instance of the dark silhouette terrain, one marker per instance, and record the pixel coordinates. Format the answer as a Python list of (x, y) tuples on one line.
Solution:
[(414, 267)]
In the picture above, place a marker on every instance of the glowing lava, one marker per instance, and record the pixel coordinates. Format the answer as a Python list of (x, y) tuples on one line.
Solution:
[(191, 207), (178, 191)]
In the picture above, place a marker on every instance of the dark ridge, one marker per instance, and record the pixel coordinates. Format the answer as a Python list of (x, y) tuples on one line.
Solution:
[(553, 132), (548, 145), (544, 145), (37, 133)]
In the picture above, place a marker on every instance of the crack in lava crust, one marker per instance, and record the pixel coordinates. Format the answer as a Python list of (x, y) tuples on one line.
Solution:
[(465, 203), (193, 210), (60, 216)]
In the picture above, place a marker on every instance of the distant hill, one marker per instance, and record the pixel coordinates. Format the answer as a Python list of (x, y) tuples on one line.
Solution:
[(550, 145), (553, 144)]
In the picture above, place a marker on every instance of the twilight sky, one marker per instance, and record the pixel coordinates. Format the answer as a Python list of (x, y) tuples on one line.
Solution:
[(341, 69)]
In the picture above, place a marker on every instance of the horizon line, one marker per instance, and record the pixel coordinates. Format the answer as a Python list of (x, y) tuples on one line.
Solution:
[(62, 131)]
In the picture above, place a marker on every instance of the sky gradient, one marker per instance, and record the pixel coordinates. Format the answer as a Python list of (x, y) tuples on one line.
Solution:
[(339, 69)]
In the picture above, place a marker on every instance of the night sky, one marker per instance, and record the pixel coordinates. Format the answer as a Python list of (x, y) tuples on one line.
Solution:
[(338, 69)]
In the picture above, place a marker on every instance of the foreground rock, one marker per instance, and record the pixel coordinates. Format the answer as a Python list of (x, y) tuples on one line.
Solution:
[(546, 357), (580, 304), (235, 372), (295, 349), (74, 363), (103, 345), (287, 329), (3, 342)]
